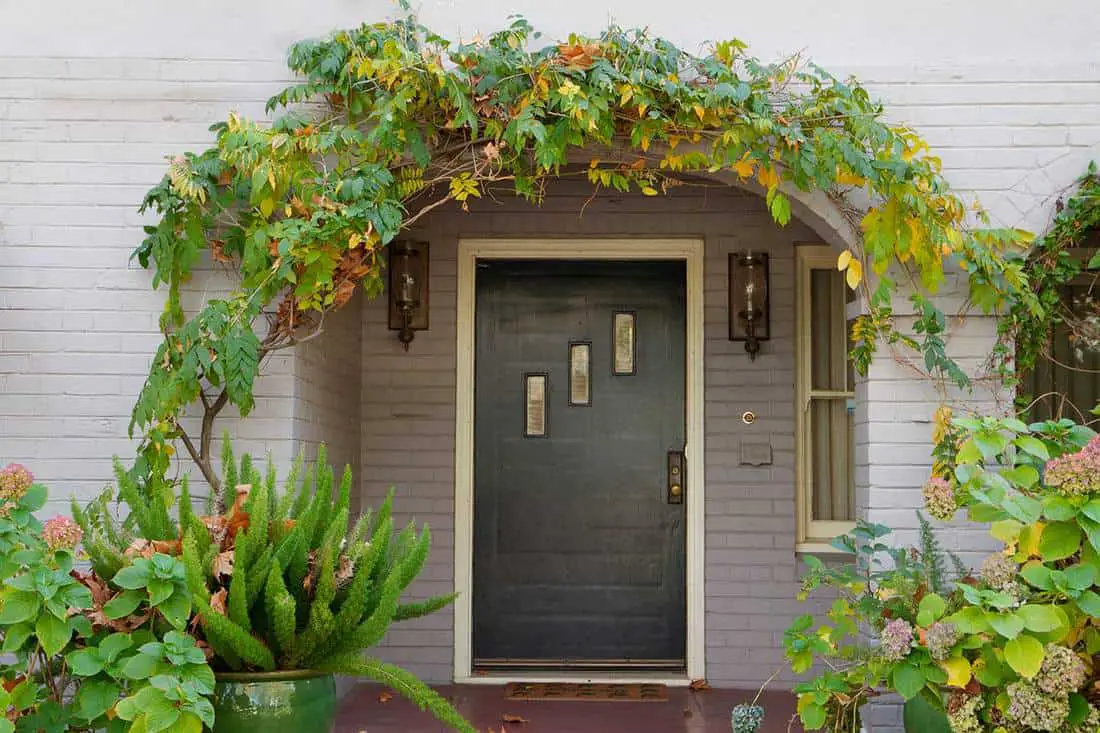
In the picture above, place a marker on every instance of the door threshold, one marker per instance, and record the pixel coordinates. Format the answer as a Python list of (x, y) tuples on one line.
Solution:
[(671, 679)]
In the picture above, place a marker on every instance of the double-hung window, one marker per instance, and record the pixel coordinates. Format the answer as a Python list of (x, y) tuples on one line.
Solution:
[(825, 407)]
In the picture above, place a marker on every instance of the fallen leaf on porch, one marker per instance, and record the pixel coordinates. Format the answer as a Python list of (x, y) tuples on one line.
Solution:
[(384, 697), (700, 684), (509, 718)]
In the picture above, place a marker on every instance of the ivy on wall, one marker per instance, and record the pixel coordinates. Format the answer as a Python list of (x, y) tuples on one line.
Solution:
[(391, 121)]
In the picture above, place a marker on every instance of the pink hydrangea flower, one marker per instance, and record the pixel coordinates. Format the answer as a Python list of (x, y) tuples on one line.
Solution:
[(14, 482), (897, 639), (1076, 473), (939, 498), (62, 533)]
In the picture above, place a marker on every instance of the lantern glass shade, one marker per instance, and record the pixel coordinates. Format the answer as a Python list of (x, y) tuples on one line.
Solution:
[(408, 288), (748, 299)]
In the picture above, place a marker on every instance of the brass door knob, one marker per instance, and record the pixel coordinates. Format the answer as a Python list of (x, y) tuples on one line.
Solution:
[(675, 490)]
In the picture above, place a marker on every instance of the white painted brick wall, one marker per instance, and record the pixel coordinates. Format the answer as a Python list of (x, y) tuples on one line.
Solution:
[(92, 96)]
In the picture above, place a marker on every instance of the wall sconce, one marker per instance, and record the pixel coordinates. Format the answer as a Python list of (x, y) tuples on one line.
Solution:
[(408, 289), (748, 292)]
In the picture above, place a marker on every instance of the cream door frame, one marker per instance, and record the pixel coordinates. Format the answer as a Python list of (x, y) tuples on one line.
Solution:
[(690, 251)]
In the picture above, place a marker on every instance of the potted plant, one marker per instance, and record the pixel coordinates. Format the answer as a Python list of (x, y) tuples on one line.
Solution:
[(286, 595)]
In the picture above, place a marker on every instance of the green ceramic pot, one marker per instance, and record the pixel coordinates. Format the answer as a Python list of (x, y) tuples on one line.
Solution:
[(298, 701)]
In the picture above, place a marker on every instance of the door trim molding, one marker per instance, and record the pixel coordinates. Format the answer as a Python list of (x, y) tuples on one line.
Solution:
[(690, 251)]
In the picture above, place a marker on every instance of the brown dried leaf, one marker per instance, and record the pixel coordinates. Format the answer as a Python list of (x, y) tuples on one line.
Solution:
[(217, 251), (510, 718), (223, 564), (579, 56), (218, 602), (238, 517), (140, 548), (385, 696), (345, 571), (700, 684), (168, 547)]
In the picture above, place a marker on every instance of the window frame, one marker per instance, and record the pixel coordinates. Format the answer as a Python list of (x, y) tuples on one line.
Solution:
[(811, 535)]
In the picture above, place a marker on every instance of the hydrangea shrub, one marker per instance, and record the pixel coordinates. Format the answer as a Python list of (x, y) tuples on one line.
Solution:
[(1012, 648)]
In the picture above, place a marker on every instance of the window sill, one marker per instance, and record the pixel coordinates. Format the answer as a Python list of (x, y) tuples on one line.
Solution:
[(811, 547)]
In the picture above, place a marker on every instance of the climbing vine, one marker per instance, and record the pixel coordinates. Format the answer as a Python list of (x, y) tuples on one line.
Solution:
[(391, 121), (1057, 259)]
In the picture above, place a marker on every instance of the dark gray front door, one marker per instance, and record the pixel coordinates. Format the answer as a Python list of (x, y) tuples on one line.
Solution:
[(578, 554)]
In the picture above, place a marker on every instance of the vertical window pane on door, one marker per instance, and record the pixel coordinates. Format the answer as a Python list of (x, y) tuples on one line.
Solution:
[(624, 346), (535, 405), (580, 367), (832, 457)]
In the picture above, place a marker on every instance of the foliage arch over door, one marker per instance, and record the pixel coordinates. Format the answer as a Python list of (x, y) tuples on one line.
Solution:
[(391, 121)]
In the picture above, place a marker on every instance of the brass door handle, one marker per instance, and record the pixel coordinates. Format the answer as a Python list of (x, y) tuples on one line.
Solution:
[(675, 481)]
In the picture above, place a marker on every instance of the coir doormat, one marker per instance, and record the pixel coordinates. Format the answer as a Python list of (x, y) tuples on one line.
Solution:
[(600, 692)]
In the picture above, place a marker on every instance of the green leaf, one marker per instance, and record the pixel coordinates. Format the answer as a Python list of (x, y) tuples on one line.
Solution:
[(188, 722), (159, 591), (140, 667), (53, 633), (1008, 625), (813, 716), (1059, 541), (34, 499), (1032, 445), (1089, 602), (15, 637), (19, 606), (1023, 508), (1038, 576), (919, 715), (1080, 576), (931, 608), (123, 604), (1040, 618), (970, 620), (1025, 655), (176, 609), (114, 645), (161, 715), (1023, 477), (85, 662), (96, 697), (1058, 509), (1078, 707), (1092, 509), (135, 576), (908, 680)]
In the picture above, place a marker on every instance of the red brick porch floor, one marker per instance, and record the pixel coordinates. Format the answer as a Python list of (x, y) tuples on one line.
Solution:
[(706, 711)]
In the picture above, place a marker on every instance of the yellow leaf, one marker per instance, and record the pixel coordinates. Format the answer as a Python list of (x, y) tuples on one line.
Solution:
[(641, 109), (593, 163), (355, 240), (768, 176), (958, 671), (854, 274), (267, 206), (649, 190), (848, 178), (843, 260), (626, 93), (644, 143), (700, 112), (743, 168)]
